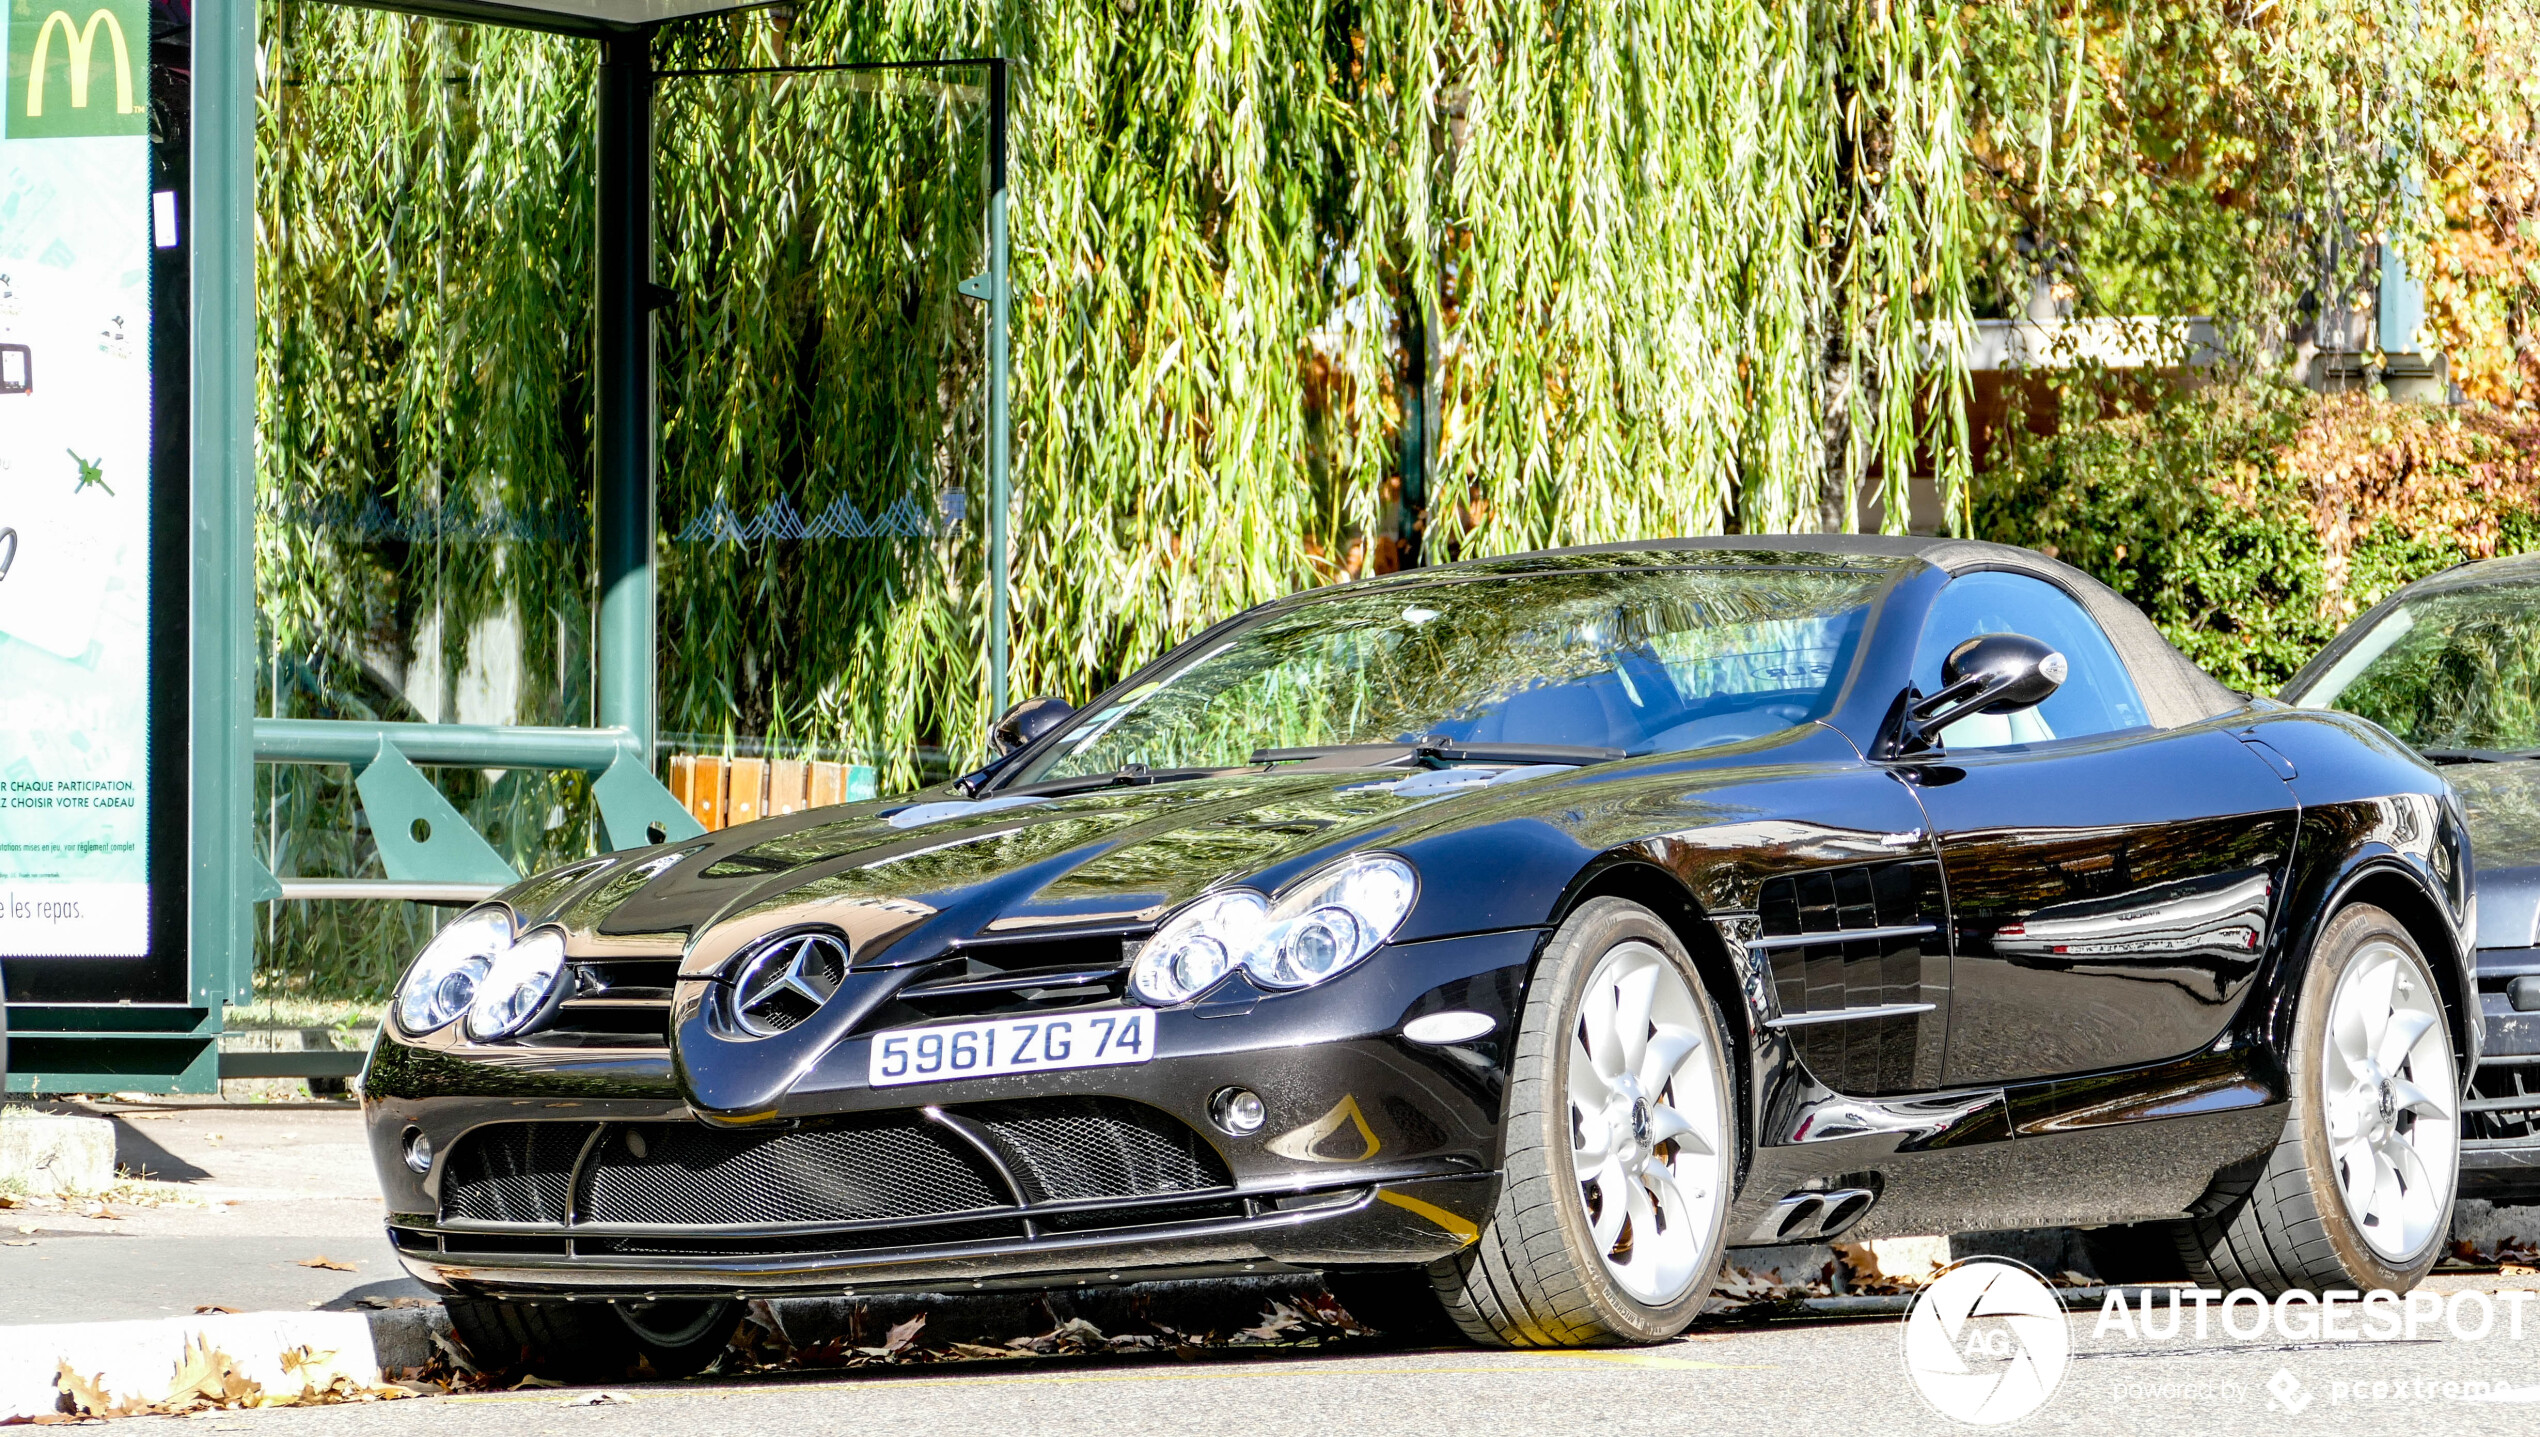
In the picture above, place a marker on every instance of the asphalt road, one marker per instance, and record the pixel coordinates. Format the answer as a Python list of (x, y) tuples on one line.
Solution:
[(1826, 1377), (267, 1186), (251, 1191)]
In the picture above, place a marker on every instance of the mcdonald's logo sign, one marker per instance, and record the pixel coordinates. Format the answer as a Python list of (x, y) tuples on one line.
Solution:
[(77, 68)]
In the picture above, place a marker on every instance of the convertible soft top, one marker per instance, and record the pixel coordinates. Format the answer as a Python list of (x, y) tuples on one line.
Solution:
[(2175, 691)]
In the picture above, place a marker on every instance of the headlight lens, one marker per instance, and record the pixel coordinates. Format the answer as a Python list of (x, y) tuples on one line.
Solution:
[(1314, 931), (443, 982), (516, 988)]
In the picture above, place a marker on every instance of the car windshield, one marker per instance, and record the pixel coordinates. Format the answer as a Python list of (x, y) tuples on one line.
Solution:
[(1642, 661), (2458, 669)]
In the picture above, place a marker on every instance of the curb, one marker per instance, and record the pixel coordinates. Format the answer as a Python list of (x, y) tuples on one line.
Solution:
[(138, 1361)]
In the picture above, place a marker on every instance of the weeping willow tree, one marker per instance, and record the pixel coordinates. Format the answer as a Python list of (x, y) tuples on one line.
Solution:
[(1659, 267)]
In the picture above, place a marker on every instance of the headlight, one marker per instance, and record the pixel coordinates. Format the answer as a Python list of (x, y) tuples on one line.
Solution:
[(443, 982), (1314, 931), (517, 987)]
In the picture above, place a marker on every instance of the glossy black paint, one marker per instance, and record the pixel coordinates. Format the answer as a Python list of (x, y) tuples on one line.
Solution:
[(2015, 988)]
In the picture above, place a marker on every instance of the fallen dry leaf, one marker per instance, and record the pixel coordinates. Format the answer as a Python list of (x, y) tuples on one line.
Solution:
[(206, 1377), (17, 1242), (214, 1307), (2515, 1269), (534, 1380), (330, 1264), (26, 1227), (903, 1334)]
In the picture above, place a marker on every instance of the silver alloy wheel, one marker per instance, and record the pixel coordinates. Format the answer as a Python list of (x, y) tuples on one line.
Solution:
[(1647, 1119), (2391, 1099)]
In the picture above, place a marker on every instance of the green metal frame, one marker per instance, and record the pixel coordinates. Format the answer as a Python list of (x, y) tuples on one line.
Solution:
[(427, 848)]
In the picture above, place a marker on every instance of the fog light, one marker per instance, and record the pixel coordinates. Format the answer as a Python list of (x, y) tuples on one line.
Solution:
[(418, 1150), (1238, 1111)]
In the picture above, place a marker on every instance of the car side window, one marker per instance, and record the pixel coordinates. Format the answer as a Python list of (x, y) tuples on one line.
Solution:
[(2097, 696)]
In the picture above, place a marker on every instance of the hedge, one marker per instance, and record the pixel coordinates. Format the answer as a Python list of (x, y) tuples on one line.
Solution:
[(2252, 521)]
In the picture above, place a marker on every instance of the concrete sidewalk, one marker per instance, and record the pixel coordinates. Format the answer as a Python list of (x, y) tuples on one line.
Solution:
[(241, 1197)]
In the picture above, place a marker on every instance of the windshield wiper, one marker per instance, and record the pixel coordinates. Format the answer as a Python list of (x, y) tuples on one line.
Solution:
[(1374, 755), (2478, 755), (1126, 776)]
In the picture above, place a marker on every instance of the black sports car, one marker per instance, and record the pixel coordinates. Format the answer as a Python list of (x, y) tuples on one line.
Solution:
[(1503, 941), (2451, 664)]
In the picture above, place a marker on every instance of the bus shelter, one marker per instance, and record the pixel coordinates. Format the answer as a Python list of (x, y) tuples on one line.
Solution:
[(147, 1014)]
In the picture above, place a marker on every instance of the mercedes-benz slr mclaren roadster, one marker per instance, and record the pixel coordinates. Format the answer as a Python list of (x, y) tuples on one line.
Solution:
[(1503, 941)]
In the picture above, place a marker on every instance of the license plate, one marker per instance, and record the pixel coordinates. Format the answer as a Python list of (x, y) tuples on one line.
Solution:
[(1100, 1039)]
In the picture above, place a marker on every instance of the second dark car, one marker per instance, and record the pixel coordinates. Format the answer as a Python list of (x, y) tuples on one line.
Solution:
[(2451, 664), (1504, 941)]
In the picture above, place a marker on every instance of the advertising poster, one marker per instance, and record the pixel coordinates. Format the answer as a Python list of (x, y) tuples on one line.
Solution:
[(75, 492)]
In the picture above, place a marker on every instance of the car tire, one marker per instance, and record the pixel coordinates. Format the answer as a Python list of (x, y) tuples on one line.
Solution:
[(595, 1341), (2288, 1222), (1540, 1274)]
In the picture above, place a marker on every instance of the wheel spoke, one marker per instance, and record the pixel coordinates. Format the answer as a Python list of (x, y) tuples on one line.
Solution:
[(1588, 1087), (1612, 1204), (2400, 1037), (2344, 1114), (1635, 996), (1668, 1049), (2383, 1210), (2413, 1099), (2374, 997), (1646, 1242), (1596, 1138), (1669, 1255), (1665, 1122), (2355, 1170), (2416, 1208), (1597, 1013)]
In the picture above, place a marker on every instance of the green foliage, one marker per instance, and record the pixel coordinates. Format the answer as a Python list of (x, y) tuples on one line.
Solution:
[(2221, 511), (2184, 509), (1672, 266)]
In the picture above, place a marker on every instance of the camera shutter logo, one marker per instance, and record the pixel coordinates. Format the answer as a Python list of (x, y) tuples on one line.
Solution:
[(787, 981), (100, 85), (1987, 1342)]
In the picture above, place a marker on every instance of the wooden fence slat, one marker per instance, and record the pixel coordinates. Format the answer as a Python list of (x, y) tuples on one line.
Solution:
[(787, 787), (748, 802), (828, 784), (707, 803)]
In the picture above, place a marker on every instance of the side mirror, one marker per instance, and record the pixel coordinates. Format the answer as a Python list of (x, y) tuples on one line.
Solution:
[(1027, 721), (1990, 673)]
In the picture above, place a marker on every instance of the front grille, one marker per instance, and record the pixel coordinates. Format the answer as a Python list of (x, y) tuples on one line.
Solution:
[(902, 1178), (993, 978), (2504, 1101), (614, 1003), (842, 1170), (513, 1172), (1079, 1149)]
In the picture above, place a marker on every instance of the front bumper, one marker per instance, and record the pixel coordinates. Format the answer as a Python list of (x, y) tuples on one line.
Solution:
[(2500, 1148), (1367, 1224), (1378, 1151)]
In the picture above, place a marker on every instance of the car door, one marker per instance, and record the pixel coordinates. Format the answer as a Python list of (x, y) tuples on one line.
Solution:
[(2110, 884)]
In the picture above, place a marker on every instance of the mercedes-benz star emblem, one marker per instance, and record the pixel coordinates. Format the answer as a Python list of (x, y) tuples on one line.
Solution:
[(786, 981)]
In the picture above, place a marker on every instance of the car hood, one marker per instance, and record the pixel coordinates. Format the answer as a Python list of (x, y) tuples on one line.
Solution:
[(2502, 801), (1113, 858)]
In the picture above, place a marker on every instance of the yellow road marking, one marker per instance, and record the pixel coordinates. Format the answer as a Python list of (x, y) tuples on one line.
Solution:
[(777, 1382), (1655, 1359)]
